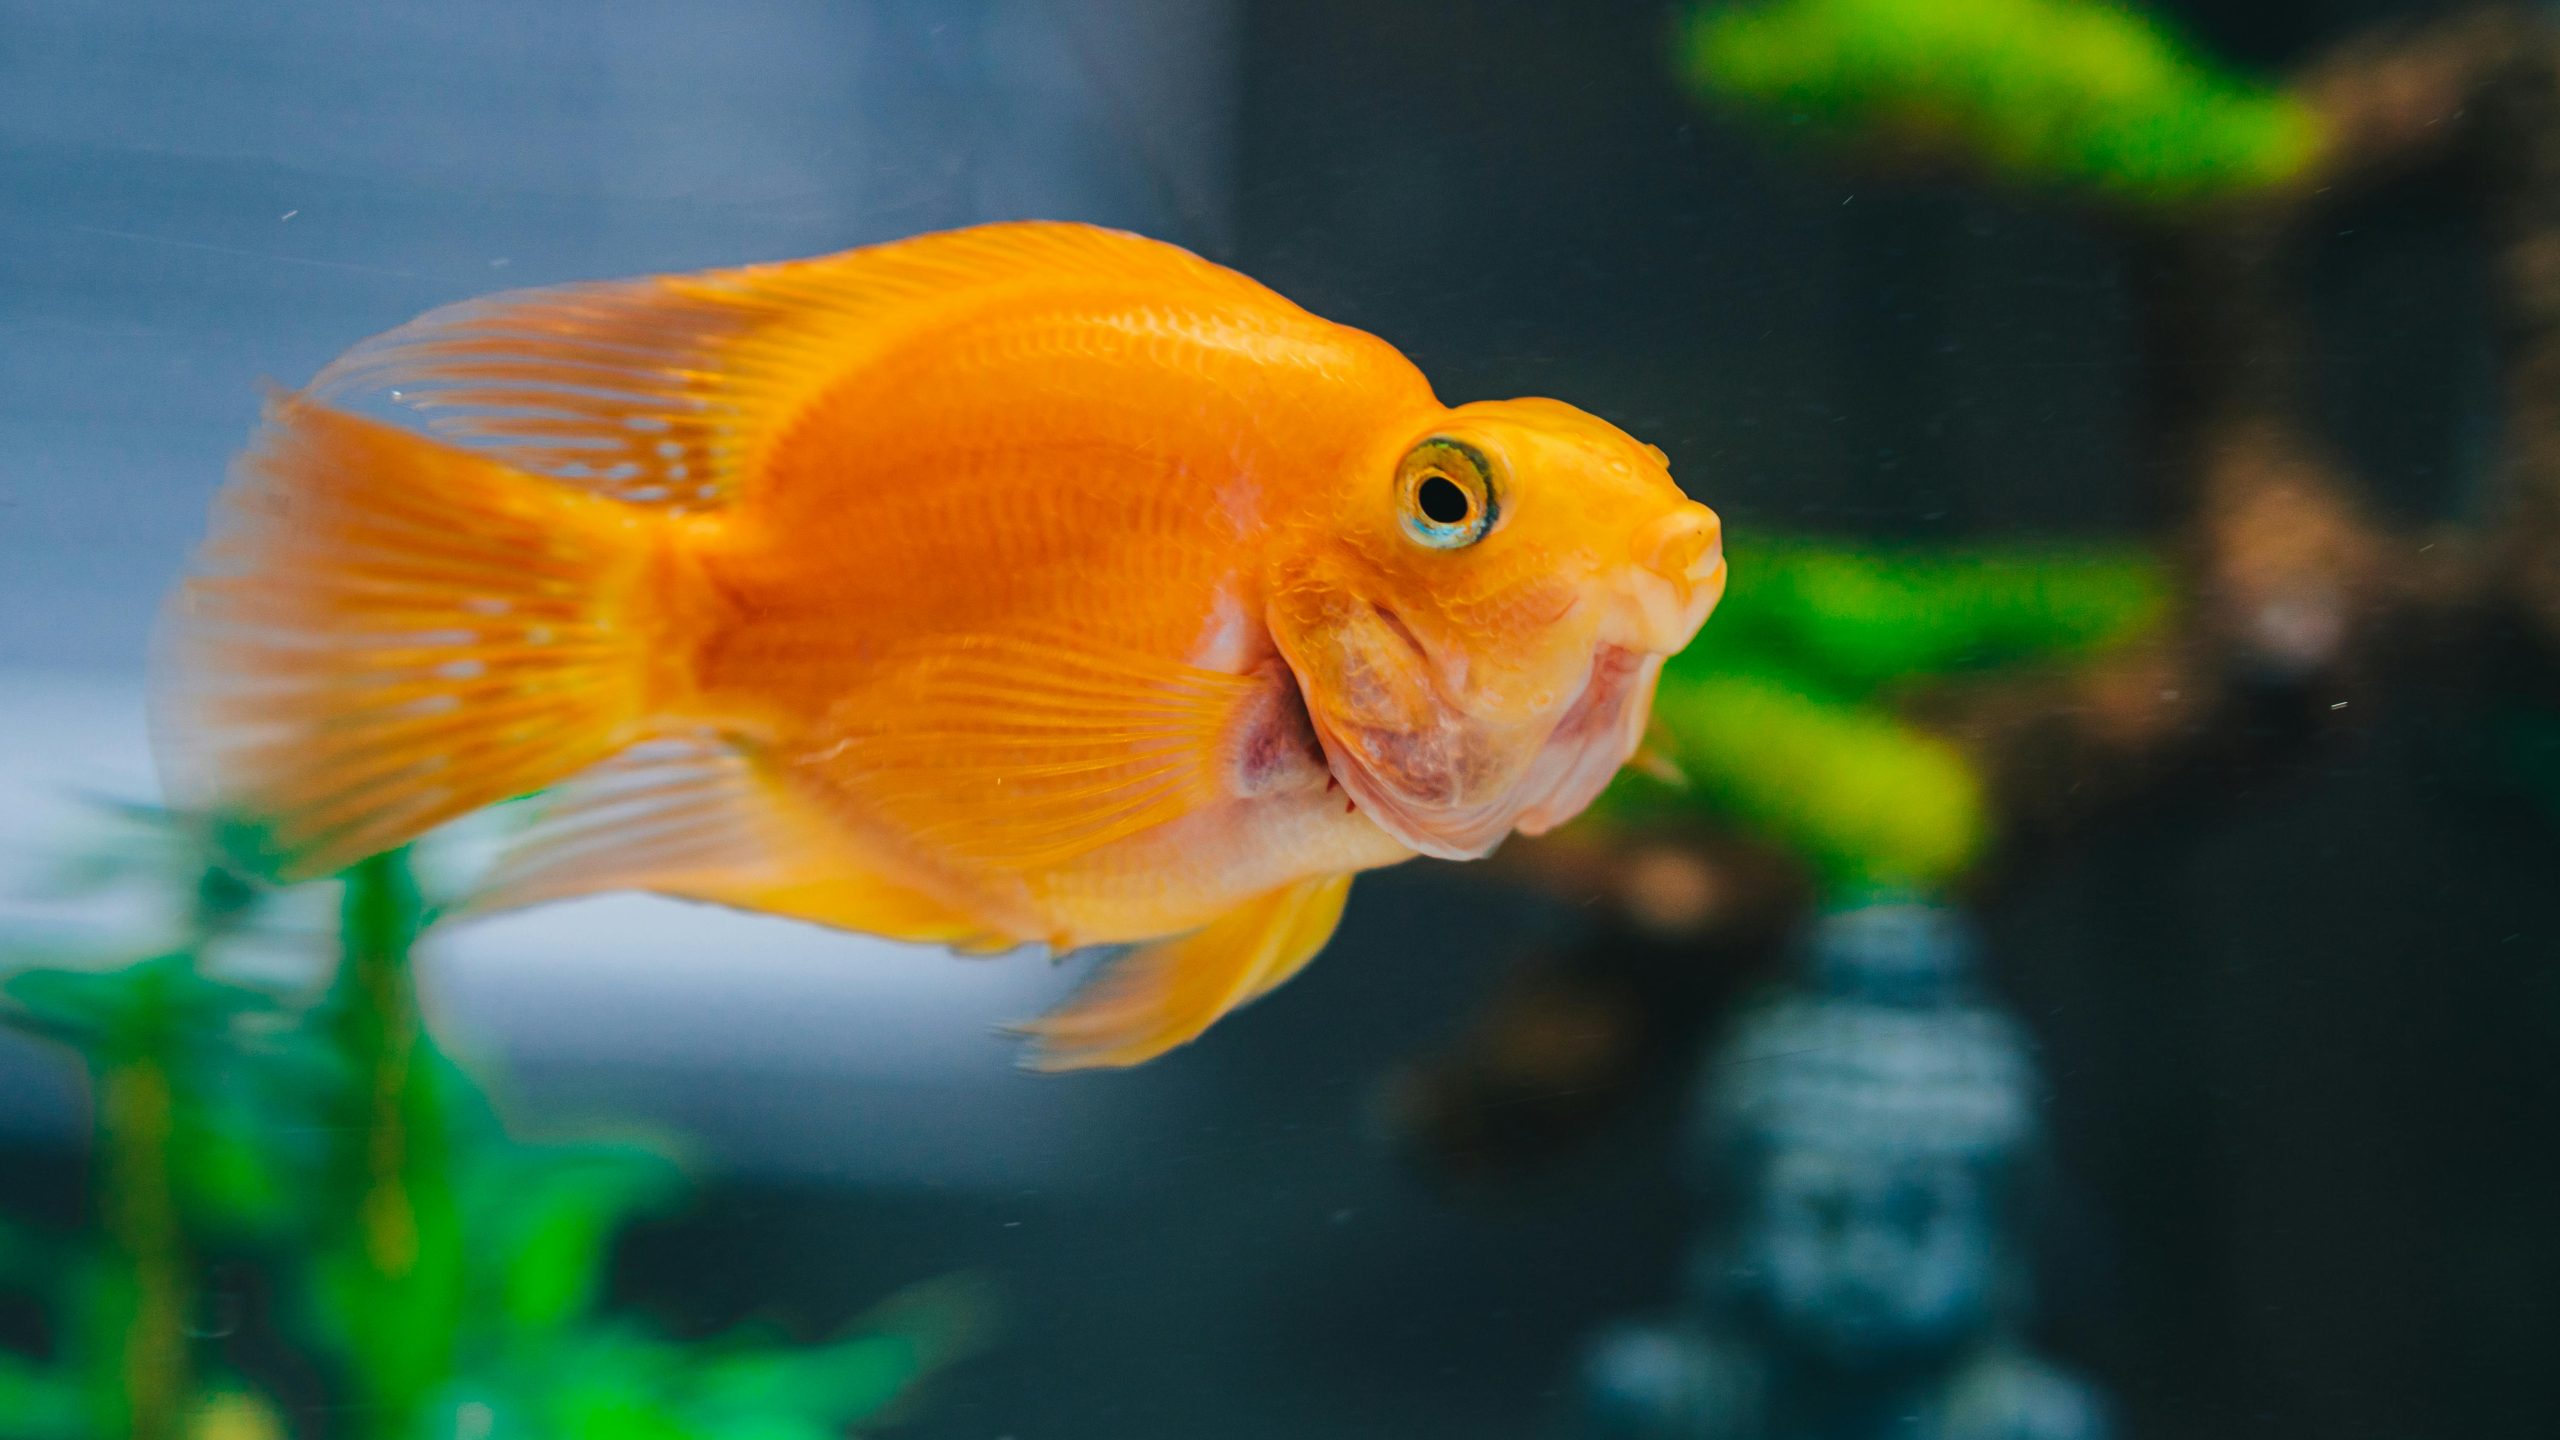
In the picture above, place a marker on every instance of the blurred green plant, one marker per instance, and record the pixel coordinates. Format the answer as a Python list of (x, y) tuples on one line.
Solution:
[(1780, 715), (442, 1277), (2064, 92)]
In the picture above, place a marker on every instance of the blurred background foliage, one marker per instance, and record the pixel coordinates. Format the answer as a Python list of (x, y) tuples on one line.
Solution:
[(303, 1205), (2077, 94), (1784, 719)]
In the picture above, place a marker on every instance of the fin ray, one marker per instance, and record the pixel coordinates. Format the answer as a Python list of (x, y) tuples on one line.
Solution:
[(667, 390), (939, 747), (1166, 994), (697, 818), (384, 633)]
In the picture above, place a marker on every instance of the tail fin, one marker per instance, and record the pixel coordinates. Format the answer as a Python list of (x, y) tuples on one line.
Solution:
[(384, 633)]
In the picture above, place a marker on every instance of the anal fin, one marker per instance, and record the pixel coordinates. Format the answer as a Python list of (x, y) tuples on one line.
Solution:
[(1166, 994), (696, 818)]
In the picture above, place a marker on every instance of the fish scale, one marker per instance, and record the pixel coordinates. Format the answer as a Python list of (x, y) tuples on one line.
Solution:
[(1030, 583)]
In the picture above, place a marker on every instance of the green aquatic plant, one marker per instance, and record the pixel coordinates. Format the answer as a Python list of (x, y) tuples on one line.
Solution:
[(1781, 715), (443, 1276), (2063, 92)]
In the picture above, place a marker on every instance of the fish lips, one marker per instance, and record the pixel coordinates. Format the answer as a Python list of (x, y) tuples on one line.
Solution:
[(1455, 790)]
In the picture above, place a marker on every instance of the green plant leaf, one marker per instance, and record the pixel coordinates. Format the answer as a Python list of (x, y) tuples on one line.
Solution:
[(448, 1274), (39, 1402), (235, 1414), (148, 1007), (389, 1280), (1847, 621), (2073, 93), (230, 1164), (840, 1384), (544, 1219), (1865, 798)]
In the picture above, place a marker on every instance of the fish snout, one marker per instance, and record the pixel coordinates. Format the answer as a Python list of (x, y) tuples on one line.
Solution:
[(1685, 546), (1678, 577)]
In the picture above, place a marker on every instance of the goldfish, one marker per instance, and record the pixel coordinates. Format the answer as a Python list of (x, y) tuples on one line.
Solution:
[(1024, 584)]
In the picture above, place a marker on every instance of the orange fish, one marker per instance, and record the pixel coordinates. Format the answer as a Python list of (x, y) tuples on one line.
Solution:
[(1031, 583)]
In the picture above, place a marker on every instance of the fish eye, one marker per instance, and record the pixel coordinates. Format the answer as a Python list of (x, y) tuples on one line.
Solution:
[(1445, 491), (1442, 502)]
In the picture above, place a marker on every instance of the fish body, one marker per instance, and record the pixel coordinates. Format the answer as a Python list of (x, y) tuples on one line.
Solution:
[(1027, 583)]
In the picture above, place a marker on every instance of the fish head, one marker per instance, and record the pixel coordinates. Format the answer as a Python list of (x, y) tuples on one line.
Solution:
[(1477, 625)]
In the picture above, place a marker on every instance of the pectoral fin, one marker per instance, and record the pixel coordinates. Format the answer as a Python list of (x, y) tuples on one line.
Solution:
[(1014, 752), (1654, 756), (1166, 994)]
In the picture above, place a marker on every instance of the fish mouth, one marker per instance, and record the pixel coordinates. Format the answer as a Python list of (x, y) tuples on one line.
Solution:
[(1593, 739), (1663, 612), (1417, 787)]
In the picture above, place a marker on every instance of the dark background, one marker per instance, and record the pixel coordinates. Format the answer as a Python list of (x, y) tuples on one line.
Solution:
[(2299, 1024), (2300, 1030)]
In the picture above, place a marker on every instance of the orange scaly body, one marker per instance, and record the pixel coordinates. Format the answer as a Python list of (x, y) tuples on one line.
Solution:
[(1031, 583)]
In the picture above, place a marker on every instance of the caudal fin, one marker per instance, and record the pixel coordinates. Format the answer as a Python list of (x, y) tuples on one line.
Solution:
[(384, 633)]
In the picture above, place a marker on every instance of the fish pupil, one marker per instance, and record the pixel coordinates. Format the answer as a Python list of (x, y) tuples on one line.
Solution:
[(1442, 502)]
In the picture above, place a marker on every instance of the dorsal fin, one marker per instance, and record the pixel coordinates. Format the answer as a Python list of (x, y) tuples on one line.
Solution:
[(666, 390)]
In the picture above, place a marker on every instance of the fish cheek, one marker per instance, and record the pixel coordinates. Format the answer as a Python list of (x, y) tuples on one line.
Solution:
[(1368, 688)]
